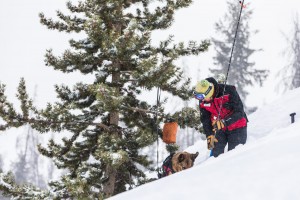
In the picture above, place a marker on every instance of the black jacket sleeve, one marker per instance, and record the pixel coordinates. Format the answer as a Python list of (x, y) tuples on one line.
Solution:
[(206, 122), (235, 104)]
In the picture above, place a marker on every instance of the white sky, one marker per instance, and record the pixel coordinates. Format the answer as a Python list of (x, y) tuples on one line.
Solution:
[(25, 40), (266, 167)]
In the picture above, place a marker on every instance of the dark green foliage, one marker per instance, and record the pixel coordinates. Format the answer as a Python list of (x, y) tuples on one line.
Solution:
[(106, 121), (8, 188), (188, 117), (172, 148)]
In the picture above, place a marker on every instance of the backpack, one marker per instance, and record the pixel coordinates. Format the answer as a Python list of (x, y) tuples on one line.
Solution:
[(166, 167)]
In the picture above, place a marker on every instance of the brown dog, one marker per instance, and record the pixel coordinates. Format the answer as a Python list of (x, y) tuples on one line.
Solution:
[(177, 162)]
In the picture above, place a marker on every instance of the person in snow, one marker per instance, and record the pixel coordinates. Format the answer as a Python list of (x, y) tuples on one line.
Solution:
[(222, 115)]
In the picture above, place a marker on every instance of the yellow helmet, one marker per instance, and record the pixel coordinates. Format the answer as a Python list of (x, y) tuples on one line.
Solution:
[(205, 87)]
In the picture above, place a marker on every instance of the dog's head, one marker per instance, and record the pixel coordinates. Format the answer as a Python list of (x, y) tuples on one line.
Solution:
[(183, 160)]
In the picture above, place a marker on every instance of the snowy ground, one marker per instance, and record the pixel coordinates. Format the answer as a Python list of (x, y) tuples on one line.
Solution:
[(267, 167)]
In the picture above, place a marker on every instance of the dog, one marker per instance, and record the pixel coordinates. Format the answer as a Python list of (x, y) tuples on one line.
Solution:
[(177, 162)]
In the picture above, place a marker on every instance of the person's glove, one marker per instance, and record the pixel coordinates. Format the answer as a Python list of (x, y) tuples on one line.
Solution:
[(211, 142), (218, 125)]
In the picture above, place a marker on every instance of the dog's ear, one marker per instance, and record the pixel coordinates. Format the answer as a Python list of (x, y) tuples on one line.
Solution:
[(194, 156), (181, 157)]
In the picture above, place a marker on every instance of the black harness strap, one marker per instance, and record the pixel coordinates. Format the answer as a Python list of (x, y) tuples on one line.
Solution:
[(167, 166)]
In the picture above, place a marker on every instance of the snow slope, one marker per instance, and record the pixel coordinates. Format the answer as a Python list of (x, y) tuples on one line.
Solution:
[(267, 167)]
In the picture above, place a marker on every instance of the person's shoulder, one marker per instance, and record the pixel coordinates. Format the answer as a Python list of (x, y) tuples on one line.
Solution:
[(228, 88), (232, 87)]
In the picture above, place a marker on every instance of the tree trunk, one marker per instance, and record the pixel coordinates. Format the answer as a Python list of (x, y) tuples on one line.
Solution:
[(109, 186), (114, 116)]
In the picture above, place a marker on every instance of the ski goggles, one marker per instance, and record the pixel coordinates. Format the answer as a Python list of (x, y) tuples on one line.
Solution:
[(201, 96)]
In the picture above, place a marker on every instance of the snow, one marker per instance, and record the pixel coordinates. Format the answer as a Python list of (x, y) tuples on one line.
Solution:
[(105, 63), (2, 182), (266, 167)]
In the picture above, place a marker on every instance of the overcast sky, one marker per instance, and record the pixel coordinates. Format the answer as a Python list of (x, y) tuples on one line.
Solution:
[(24, 42)]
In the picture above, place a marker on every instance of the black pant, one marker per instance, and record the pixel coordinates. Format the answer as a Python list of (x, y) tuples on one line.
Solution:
[(233, 138)]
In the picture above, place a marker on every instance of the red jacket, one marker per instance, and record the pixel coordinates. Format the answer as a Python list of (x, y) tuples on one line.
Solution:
[(214, 107), (232, 111)]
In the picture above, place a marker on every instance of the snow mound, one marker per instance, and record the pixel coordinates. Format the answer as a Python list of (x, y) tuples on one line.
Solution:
[(267, 167)]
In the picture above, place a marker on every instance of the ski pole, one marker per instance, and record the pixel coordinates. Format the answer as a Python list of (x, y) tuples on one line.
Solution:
[(230, 58)]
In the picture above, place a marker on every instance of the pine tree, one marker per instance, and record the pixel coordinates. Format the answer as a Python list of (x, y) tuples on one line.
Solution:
[(242, 72), (1, 167), (107, 121), (26, 166), (291, 72)]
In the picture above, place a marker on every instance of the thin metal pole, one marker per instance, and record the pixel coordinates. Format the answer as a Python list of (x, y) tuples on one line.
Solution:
[(235, 36), (157, 125), (230, 58)]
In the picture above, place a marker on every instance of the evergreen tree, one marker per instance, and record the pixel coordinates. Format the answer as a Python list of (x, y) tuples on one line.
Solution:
[(108, 123), (26, 166), (242, 72), (51, 169), (291, 72), (1, 167)]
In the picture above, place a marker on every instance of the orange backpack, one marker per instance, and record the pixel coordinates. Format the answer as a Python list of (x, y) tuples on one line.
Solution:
[(169, 132)]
